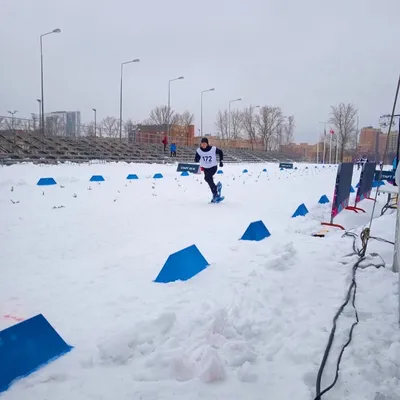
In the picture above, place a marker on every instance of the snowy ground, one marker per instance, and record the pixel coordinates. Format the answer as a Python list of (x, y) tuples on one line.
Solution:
[(253, 325)]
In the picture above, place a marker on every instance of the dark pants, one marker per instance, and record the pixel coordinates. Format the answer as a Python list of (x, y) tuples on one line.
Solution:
[(208, 177)]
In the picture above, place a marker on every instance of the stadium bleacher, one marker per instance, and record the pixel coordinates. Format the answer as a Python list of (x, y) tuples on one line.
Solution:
[(53, 149)]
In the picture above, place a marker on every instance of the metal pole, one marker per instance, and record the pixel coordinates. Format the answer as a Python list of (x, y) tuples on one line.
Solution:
[(330, 147), (41, 84), (169, 106), (169, 102), (120, 96), (201, 115), (40, 114), (120, 106), (229, 116), (337, 147), (41, 75), (229, 121), (95, 121), (398, 145), (201, 109)]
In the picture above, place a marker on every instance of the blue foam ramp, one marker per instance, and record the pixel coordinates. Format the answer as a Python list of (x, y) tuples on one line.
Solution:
[(352, 189), (182, 265), (27, 346), (46, 182), (301, 211), (132, 176), (245, 171), (265, 170), (281, 169), (256, 231), (185, 173), (158, 176), (97, 178), (323, 199), (220, 171)]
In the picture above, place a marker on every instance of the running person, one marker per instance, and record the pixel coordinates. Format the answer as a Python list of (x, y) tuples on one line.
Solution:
[(207, 155)]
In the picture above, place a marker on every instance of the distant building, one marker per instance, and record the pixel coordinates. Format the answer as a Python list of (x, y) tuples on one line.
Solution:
[(181, 135), (63, 123), (373, 144)]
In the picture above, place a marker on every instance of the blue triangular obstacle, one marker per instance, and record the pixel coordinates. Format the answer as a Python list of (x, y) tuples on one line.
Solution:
[(46, 182), (97, 178), (132, 176), (352, 189), (324, 199), (158, 176), (301, 211), (265, 170), (27, 346), (358, 185), (182, 265), (220, 171), (256, 231), (185, 173), (245, 171), (281, 169)]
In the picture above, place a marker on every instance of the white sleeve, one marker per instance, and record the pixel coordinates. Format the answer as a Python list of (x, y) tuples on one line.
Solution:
[(397, 176)]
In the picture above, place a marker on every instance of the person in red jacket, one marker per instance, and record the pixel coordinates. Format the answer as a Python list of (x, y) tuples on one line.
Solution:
[(165, 142)]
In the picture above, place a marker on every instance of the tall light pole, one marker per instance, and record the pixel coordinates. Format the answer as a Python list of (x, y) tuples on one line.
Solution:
[(41, 75), (201, 109), (169, 101), (323, 156), (40, 114), (120, 96), (12, 118), (95, 123), (251, 107), (229, 116)]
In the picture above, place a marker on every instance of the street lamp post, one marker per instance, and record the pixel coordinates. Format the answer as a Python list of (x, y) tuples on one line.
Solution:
[(12, 118), (95, 121), (169, 101), (201, 109), (323, 155), (41, 76), (120, 96), (229, 116), (40, 114), (252, 134)]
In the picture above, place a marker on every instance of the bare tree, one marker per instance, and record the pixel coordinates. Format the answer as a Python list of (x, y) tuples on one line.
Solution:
[(159, 116), (343, 118), (185, 119), (267, 123), (289, 130), (88, 130), (55, 126), (236, 124), (248, 124), (221, 123), (110, 127)]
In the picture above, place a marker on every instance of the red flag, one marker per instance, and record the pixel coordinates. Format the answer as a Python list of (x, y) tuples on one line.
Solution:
[(331, 131)]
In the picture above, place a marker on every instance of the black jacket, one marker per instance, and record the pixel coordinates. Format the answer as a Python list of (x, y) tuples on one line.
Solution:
[(208, 148)]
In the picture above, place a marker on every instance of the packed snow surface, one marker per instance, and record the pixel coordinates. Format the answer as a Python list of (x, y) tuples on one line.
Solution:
[(253, 325)]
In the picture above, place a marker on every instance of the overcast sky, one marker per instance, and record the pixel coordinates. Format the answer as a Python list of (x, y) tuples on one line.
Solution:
[(301, 55)]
